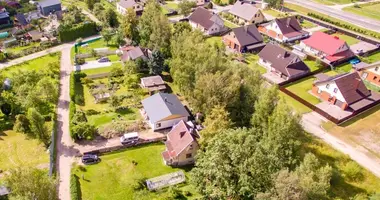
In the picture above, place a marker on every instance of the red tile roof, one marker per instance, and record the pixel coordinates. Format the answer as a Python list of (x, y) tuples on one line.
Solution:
[(179, 138), (324, 42)]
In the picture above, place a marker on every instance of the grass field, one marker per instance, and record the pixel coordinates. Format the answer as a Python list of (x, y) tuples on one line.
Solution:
[(101, 119), (302, 88), (313, 66), (114, 177), (18, 49), (35, 64), (93, 45), (273, 13), (18, 150), (371, 10), (294, 104), (306, 24), (349, 40), (372, 58), (229, 24), (252, 63)]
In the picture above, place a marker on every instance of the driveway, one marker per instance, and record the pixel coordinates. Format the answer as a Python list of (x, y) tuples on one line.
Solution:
[(93, 65), (361, 21), (311, 122)]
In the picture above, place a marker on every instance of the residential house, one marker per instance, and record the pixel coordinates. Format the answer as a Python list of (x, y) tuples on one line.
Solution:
[(247, 13), (181, 145), (201, 2), (244, 39), (369, 72), (153, 84), (5, 20), (330, 49), (35, 35), (207, 21), (123, 5), (284, 30), (49, 6), (13, 4), (21, 21), (133, 53), (281, 62), (346, 91), (163, 110)]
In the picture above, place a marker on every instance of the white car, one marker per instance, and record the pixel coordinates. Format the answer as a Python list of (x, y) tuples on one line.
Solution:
[(129, 138)]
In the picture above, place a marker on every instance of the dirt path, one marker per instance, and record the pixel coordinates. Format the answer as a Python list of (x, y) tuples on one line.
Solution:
[(65, 151), (312, 124)]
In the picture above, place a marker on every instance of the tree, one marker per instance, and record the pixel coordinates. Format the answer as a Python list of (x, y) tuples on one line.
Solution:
[(264, 107), (114, 101), (48, 90), (83, 130), (156, 63), (274, 3), (180, 27), (131, 67), (185, 7), (215, 122), (314, 178), (31, 183), (21, 124), (116, 71), (129, 25), (107, 35), (37, 126), (110, 18), (90, 4)]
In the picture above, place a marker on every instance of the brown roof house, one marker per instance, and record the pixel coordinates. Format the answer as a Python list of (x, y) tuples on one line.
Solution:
[(163, 110), (133, 53), (284, 30), (247, 13), (244, 39), (153, 84), (181, 145), (136, 5), (346, 91), (206, 21), (35, 35), (369, 72), (285, 64)]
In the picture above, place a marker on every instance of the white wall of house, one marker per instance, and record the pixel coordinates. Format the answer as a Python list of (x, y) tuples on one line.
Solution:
[(136, 7), (330, 89), (373, 70), (310, 50), (215, 28), (120, 9), (184, 157), (166, 123), (265, 64)]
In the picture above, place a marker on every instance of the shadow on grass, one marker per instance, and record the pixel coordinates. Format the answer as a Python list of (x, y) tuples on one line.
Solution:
[(124, 111), (361, 116)]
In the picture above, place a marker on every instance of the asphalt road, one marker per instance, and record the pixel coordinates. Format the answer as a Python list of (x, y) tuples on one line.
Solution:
[(361, 21)]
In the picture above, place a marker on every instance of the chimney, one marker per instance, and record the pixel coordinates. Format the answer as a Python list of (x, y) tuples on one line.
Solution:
[(358, 80), (288, 21), (246, 29)]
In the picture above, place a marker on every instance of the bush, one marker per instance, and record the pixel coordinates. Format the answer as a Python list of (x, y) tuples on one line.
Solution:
[(80, 61), (92, 112), (22, 124), (139, 184), (79, 99), (353, 171), (83, 130), (75, 187), (79, 117), (72, 87)]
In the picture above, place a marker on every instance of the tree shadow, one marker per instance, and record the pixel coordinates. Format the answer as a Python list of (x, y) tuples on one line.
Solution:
[(124, 111)]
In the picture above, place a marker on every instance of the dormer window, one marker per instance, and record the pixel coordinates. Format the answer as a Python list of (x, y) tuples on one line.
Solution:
[(327, 86), (335, 90)]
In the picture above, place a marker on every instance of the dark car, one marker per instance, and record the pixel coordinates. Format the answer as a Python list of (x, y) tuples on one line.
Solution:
[(88, 159), (104, 59)]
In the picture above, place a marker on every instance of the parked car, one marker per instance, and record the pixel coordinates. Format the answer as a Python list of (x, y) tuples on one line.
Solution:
[(129, 138), (88, 159), (104, 59)]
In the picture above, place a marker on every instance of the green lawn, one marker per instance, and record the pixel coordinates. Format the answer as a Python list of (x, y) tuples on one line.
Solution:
[(114, 177), (273, 13), (35, 64), (302, 88), (346, 67), (215, 40), (349, 40), (171, 5), (306, 24), (370, 10), (229, 24), (18, 150), (98, 70), (326, 2), (112, 58), (372, 58), (294, 104), (101, 119), (92, 45), (252, 59), (313, 66), (18, 49)]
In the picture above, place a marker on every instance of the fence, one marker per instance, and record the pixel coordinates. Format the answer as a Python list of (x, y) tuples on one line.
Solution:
[(104, 150)]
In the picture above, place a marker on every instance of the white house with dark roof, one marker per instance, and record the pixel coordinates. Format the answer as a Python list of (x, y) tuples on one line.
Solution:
[(163, 110), (247, 13), (136, 5), (206, 21)]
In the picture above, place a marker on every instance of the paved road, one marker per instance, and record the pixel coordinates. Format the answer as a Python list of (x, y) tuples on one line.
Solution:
[(361, 21), (312, 124)]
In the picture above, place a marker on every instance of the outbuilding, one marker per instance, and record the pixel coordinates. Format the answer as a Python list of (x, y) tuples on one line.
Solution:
[(49, 6)]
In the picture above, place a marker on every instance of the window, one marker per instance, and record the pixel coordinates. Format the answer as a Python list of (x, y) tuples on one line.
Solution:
[(158, 125), (364, 75), (188, 155), (191, 147), (374, 78), (327, 86), (376, 68), (319, 91), (335, 90)]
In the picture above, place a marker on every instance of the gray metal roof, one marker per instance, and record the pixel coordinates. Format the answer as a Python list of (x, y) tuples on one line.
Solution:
[(47, 3), (4, 191), (244, 10), (163, 105)]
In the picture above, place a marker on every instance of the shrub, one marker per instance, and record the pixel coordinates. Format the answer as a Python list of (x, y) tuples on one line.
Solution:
[(187, 193), (353, 171), (72, 87), (92, 112), (79, 99), (80, 61), (66, 34), (174, 193), (75, 187), (139, 184), (79, 117), (22, 124), (83, 130)]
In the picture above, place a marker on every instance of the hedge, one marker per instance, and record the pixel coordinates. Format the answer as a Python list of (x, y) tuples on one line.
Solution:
[(344, 25), (72, 86), (79, 31), (75, 187)]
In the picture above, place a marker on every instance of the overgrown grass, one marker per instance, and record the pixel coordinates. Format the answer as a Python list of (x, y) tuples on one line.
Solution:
[(229, 24), (101, 119), (18, 49), (115, 176), (294, 104), (307, 24)]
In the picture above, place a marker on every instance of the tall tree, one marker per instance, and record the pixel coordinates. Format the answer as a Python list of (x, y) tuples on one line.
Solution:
[(185, 7), (37, 126), (110, 18), (215, 122), (264, 107), (180, 27), (156, 63), (274, 3), (107, 35), (31, 183), (48, 89), (129, 25), (151, 11), (90, 4)]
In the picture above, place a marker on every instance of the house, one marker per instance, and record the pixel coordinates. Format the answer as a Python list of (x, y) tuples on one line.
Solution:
[(49, 6), (181, 145), (369, 72), (35, 35), (284, 30), (123, 5), (21, 21), (163, 110), (344, 90), (5, 20), (247, 13), (153, 84), (285, 64), (206, 21), (244, 39), (13, 4), (330, 49), (133, 53)]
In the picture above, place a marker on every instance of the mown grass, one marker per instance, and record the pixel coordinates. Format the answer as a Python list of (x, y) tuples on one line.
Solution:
[(349, 40), (371, 10), (115, 176), (302, 88)]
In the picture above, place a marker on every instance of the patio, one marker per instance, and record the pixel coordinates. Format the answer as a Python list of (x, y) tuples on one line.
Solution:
[(273, 78)]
